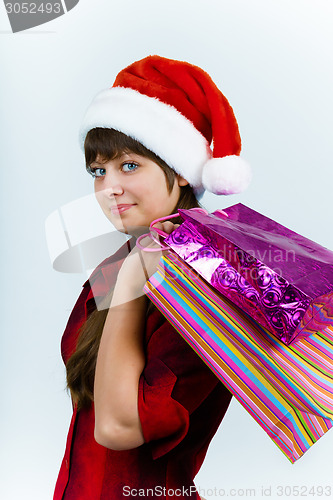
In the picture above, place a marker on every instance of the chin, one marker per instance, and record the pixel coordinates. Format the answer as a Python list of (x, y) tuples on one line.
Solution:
[(117, 222), (134, 230), (133, 227)]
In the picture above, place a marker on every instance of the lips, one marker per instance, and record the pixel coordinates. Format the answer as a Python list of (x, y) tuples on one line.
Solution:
[(119, 209)]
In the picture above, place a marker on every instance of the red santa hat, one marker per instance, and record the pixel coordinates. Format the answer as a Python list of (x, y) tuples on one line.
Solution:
[(175, 110)]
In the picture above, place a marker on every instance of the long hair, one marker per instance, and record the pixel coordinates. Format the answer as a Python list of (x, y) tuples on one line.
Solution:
[(80, 368)]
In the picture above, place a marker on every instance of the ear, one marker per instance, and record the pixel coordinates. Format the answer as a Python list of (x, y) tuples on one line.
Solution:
[(181, 181)]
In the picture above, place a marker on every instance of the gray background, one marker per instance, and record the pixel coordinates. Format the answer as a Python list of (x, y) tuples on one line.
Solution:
[(24, 15), (273, 60)]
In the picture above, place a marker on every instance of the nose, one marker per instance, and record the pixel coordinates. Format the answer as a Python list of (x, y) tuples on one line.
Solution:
[(112, 185)]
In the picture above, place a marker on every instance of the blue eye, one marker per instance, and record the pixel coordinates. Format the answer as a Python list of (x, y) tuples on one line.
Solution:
[(129, 166), (96, 172)]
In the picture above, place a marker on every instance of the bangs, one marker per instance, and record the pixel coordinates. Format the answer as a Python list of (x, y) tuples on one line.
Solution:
[(110, 144)]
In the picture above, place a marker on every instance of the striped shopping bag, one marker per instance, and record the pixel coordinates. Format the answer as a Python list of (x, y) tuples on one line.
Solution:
[(288, 390)]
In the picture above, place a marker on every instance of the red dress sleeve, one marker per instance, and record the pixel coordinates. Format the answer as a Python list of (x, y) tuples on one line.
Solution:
[(175, 382)]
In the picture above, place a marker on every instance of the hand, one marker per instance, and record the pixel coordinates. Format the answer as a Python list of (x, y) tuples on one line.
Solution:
[(138, 267)]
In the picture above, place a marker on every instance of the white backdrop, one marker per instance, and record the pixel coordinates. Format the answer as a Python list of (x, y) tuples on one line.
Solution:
[(273, 60)]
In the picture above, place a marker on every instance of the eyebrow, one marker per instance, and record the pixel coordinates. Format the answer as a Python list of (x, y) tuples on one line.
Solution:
[(96, 163), (117, 157)]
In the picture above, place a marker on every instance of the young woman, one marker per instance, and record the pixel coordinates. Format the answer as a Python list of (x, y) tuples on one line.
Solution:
[(145, 406)]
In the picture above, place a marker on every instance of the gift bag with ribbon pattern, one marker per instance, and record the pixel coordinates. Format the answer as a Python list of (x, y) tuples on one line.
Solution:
[(288, 390), (265, 332)]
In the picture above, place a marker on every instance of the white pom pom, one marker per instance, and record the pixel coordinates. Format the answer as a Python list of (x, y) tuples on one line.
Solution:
[(227, 175)]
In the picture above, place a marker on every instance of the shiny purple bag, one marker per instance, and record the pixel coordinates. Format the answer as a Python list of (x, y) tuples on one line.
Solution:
[(281, 279)]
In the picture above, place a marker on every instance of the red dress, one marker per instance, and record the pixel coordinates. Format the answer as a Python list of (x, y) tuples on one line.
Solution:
[(181, 404)]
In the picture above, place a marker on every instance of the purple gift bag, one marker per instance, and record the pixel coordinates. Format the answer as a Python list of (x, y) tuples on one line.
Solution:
[(281, 279)]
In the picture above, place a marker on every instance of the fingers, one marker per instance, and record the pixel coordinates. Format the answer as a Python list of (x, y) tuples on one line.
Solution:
[(166, 226), (145, 242), (154, 241)]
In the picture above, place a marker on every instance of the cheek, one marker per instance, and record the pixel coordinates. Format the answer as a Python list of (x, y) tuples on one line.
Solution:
[(157, 187), (96, 189), (168, 197), (101, 199), (98, 196)]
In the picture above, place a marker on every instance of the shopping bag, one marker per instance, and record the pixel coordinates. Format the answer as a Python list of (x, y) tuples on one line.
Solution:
[(288, 390), (281, 279)]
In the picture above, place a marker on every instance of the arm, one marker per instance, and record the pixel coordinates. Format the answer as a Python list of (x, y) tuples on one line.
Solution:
[(121, 357), (119, 365)]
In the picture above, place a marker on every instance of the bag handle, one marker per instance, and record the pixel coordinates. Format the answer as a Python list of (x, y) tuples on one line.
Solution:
[(163, 233), (153, 237)]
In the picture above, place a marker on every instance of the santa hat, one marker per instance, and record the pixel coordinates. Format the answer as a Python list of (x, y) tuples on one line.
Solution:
[(175, 109)]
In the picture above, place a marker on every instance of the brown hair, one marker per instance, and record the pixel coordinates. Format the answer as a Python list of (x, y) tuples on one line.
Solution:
[(80, 368)]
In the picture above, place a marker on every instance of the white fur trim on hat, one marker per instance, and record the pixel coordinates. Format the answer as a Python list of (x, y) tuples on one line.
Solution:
[(158, 126), (226, 175)]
